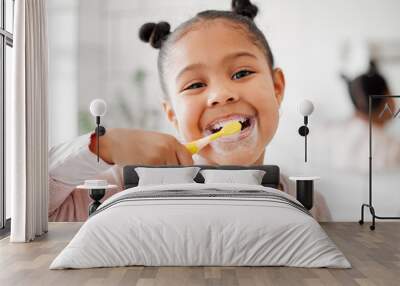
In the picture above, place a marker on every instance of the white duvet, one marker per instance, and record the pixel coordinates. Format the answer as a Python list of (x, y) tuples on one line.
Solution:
[(207, 230)]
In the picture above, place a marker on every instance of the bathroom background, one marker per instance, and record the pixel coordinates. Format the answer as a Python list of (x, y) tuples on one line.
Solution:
[(95, 52)]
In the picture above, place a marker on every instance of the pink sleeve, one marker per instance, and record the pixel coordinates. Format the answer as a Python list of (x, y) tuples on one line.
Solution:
[(58, 193), (71, 163), (70, 204)]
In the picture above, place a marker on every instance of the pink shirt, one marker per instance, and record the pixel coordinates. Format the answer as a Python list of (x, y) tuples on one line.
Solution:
[(70, 164)]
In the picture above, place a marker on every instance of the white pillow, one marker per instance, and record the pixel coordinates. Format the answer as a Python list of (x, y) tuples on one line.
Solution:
[(248, 177), (162, 176)]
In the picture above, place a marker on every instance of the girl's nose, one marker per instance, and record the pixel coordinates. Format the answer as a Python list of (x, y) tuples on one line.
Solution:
[(222, 98)]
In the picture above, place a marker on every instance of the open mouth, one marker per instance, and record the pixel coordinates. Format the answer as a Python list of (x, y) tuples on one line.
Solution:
[(246, 121), (245, 124)]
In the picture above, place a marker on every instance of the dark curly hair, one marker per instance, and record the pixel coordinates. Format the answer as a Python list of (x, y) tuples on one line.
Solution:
[(160, 36), (364, 85)]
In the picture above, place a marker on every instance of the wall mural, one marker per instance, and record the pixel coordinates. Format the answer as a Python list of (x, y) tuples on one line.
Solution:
[(198, 94)]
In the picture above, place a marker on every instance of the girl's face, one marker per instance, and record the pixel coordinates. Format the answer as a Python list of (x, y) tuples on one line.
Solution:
[(216, 74)]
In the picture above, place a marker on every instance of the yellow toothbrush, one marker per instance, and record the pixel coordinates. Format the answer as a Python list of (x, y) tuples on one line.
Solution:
[(229, 129)]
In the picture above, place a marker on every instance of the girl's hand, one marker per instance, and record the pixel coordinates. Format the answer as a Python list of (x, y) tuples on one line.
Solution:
[(135, 147)]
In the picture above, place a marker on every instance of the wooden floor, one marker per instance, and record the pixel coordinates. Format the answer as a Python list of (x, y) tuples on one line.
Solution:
[(374, 255)]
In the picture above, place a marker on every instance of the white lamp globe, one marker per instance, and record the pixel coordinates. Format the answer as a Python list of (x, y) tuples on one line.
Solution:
[(98, 107), (306, 107)]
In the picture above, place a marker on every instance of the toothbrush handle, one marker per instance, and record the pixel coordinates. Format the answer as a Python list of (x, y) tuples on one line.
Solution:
[(196, 146)]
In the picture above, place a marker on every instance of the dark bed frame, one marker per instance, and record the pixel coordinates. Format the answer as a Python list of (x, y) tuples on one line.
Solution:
[(270, 179), (131, 179)]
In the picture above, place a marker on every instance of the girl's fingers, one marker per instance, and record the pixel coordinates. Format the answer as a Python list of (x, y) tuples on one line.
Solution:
[(184, 156)]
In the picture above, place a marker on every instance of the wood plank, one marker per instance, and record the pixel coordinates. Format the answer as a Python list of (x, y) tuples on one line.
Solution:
[(374, 255)]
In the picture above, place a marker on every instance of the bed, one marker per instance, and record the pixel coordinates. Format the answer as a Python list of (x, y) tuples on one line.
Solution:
[(201, 224)]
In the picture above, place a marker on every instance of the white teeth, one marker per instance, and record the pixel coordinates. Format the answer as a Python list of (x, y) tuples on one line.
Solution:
[(223, 122)]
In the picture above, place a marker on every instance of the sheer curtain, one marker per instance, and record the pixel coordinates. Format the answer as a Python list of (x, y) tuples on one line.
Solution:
[(26, 123)]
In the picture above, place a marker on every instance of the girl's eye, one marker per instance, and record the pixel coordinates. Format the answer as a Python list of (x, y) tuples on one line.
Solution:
[(241, 74), (195, 85)]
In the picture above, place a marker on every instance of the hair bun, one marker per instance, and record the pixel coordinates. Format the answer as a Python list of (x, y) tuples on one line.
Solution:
[(154, 33), (244, 8)]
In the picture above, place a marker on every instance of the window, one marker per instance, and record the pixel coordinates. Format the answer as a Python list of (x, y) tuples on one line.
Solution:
[(6, 44)]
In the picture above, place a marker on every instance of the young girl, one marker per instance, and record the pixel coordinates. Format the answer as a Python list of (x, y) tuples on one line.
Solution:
[(214, 68)]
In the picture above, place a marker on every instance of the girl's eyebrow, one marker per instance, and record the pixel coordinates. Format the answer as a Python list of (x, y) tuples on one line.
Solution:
[(189, 68), (237, 55), (225, 59)]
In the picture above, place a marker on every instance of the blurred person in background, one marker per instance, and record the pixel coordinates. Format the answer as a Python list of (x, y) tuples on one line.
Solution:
[(346, 143)]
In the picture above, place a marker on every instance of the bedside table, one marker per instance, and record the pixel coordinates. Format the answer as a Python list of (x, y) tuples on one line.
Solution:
[(97, 190), (305, 190)]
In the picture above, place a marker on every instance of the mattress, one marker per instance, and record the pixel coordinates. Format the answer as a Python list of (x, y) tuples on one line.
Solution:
[(201, 225)]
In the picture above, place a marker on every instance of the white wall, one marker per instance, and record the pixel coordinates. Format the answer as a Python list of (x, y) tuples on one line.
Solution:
[(63, 29)]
